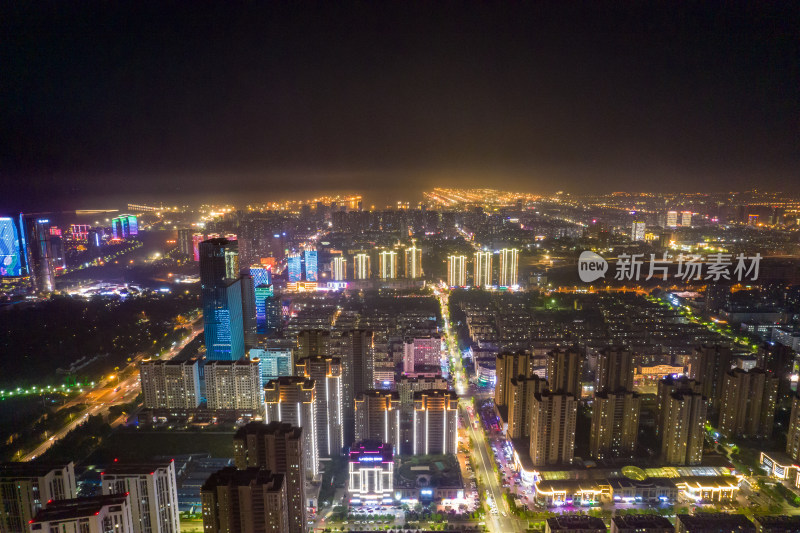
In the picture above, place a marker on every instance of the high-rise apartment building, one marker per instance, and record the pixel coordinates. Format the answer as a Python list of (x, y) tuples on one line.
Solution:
[(357, 354), (222, 300), (27, 488), (387, 264), (683, 428), (93, 514), (615, 424), (615, 370), (152, 491), (507, 367), (235, 386), (293, 399), (170, 384), (275, 362), (413, 262), (638, 230), (338, 268), (251, 500), (665, 388), (406, 387), (708, 365), (435, 422), (185, 241), (747, 406), (793, 435), (521, 391), (553, 418), (422, 353), (312, 342), (457, 271), (482, 269), (672, 219), (361, 266), (686, 219), (378, 417), (327, 375), (564, 370), (249, 322), (277, 447), (509, 265)]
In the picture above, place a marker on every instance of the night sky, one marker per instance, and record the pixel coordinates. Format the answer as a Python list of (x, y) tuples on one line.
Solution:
[(101, 103)]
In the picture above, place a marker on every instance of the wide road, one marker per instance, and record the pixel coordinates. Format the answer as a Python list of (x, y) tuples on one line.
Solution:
[(501, 521), (117, 389)]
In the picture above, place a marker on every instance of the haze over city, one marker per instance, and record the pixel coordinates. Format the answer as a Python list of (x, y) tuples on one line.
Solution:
[(396, 266)]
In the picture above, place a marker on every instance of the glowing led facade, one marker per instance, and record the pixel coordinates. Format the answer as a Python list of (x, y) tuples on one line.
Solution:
[(222, 300), (457, 271), (339, 268), (310, 257), (12, 254), (377, 417), (414, 262), (371, 473), (387, 264), (483, 269), (509, 263), (327, 374), (295, 267), (435, 422), (293, 400), (361, 266)]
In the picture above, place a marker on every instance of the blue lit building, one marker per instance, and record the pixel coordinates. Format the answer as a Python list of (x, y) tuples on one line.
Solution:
[(311, 265), (262, 275), (12, 251), (263, 296), (222, 300), (295, 268), (124, 226)]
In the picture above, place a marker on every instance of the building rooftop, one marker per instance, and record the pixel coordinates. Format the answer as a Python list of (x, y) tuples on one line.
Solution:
[(26, 470), (365, 451), (134, 469), (576, 522), (642, 521), (274, 427), (230, 476), (778, 524), (729, 523), (78, 507)]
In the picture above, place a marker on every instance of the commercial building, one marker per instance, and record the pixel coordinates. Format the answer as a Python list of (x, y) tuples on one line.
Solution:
[(327, 375), (552, 426), (222, 300), (95, 514), (13, 255), (683, 415), (413, 262), (435, 422), (124, 226), (641, 523), (152, 491), (295, 267), (672, 219), (521, 391), (252, 500), (482, 272), (713, 523), (274, 362), (371, 473), (378, 417), (747, 407), (311, 268), (293, 399), (27, 488), (36, 244), (615, 424), (277, 447), (638, 230), (170, 384), (235, 388), (564, 370), (509, 266), (457, 271)]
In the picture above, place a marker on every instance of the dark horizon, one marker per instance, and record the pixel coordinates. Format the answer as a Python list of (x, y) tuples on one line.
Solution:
[(282, 100)]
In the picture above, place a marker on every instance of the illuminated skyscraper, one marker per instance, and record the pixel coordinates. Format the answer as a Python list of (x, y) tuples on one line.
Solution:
[(615, 424), (414, 262), (637, 230), (295, 267), (311, 264), (683, 425), (686, 219), (262, 292), (153, 494), (327, 374), (378, 417), (361, 266), (387, 264), (339, 268), (294, 400), (124, 226), (254, 499), (12, 253), (39, 260), (552, 426), (509, 262), (483, 269), (457, 271), (222, 300), (672, 219), (435, 422)]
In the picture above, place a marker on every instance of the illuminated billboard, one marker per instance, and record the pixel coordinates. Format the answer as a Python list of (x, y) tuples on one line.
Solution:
[(11, 251)]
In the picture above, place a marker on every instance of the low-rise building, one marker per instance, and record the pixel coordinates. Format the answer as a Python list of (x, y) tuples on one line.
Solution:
[(575, 523), (713, 523), (777, 524), (641, 523), (653, 489), (573, 492)]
